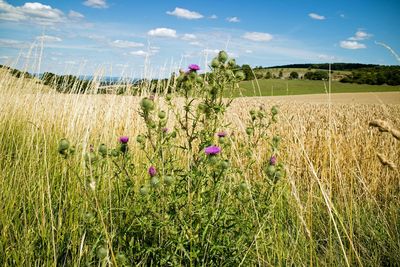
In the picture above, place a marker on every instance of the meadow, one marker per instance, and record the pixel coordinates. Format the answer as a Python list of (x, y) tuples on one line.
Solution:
[(279, 87), (170, 180)]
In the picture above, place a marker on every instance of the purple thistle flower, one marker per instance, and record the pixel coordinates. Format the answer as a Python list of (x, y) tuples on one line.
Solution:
[(165, 130), (124, 139), (152, 171), (212, 150), (222, 134), (194, 67), (272, 160)]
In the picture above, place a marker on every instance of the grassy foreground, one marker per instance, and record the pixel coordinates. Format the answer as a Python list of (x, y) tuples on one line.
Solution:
[(336, 204)]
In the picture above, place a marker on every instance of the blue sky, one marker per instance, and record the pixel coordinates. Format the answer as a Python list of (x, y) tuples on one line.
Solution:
[(154, 38)]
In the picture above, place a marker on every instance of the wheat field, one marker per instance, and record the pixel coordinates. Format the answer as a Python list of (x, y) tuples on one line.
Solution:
[(338, 203)]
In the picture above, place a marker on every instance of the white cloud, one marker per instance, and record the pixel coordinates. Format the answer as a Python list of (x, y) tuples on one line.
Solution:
[(185, 14), (258, 36), (125, 44), (248, 51), (140, 53), (326, 57), (12, 43), (210, 51), (352, 45), (188, 37), (31, 12), (360, 35), (195, 43), (75, 15), (213, 16), (96, 3), (316, 16), (162, 32), (48, 38), (233, 19), (151, 51)]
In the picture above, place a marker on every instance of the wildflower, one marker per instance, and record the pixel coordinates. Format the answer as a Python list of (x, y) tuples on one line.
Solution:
[(221, 134), (194, 67), (124, 144), (124, 139), (165, 130), (272, 160), (152, 171), (212, 150)]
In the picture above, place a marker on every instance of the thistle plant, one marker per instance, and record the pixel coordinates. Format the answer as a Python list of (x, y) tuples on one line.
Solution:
[(186, 198)]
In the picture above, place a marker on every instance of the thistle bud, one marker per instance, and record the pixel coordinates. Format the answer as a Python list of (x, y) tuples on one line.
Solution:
[(232, 63), (103, 150), (72, 150), (123, 148), (162, 114), (154, 182), (224, 165), (222, 56), (121, 259), (140, 139), (63, 145), (144, 190), (199, 79), (240, 75), (147, 104), (114, 153), (274, 110), (215, 63), (243, 186), (102, 253), (90, 157), (249, 130), (169, 180), (271, 170)]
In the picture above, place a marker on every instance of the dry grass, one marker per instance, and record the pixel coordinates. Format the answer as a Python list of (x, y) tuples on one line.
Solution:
[(328, 148)]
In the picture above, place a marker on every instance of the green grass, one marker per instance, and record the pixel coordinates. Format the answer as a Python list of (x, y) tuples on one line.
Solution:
[(275, 87)]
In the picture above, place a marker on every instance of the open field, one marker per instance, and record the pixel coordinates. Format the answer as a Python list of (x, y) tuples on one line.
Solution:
[(275, 87), (339, 98), (336, 205)]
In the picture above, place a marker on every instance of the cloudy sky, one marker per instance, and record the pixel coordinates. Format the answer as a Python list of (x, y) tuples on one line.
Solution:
[(136, 38)]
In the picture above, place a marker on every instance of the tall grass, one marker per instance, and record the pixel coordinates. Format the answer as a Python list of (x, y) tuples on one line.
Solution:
[(337, 205)]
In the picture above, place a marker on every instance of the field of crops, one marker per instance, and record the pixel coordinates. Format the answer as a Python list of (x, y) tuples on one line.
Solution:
[(162, 180), (277, 87)]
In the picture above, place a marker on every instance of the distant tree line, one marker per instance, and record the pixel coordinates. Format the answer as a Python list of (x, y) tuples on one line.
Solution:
[(66, 83), (325, 66), (389, 75), (17, 73), (360, 73)]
